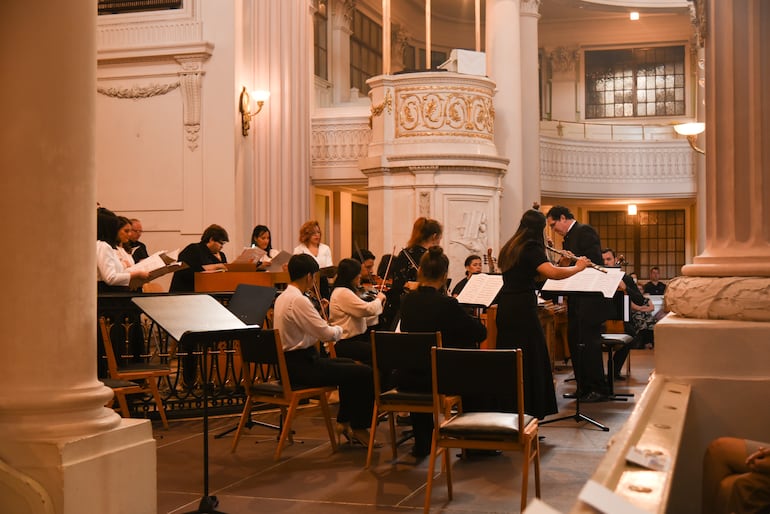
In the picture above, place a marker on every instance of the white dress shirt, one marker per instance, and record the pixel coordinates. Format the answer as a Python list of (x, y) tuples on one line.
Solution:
[(349, 311), (299, 323)]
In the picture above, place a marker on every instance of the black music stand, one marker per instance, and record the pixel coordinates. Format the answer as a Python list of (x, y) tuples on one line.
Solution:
[(587, 282), (250, 304), (197, 321)]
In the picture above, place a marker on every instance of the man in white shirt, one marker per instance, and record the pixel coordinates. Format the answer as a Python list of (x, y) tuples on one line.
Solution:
[(301, 327)]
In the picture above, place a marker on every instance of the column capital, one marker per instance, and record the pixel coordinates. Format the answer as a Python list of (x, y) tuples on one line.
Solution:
[(342, 15), (698, 20), (562, 58), (530, 8)]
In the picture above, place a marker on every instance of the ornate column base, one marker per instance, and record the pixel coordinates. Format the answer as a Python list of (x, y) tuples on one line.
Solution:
[(726, 298)]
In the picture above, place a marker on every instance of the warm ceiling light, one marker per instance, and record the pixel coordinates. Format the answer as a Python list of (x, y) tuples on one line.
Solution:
[(633, 16), (632, 209)]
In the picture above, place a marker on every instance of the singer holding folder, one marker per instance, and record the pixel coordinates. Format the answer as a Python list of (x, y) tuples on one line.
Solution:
[(522, 259)]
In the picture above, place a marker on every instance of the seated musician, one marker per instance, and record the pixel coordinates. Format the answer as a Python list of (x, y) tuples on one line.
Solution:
[(353, 313), (642, 320), (430, 309), (301, 328), (472, 266), (206, 255)]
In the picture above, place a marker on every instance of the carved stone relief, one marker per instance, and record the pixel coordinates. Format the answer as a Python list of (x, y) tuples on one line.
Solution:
[(563, 59), (436, 112), (730, 298)]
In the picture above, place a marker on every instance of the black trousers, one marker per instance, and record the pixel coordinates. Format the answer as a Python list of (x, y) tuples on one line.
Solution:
[(585, 315), (354, 380)]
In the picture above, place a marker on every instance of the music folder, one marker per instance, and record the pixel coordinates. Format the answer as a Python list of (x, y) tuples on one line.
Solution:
[(589, 280), (277, 262)]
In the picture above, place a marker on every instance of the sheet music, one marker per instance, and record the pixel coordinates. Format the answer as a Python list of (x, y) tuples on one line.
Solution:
[(481, 289), (277, 262), (588, 280), (250, 255), (158, 264)]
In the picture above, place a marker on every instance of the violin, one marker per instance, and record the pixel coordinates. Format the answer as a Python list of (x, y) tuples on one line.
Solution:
[(490, 261)]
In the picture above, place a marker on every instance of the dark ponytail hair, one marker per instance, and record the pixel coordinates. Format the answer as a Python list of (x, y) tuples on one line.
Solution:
[(434, 264)]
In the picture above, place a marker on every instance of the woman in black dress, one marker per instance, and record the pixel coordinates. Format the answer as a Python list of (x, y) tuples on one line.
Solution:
[(521, 260), (426, 232)]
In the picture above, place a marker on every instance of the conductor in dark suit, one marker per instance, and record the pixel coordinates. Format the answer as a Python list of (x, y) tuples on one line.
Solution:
[(585, 313)]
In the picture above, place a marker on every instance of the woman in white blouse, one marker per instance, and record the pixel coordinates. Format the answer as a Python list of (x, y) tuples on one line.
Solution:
[(111, 274), (355, 315), (310, 243)]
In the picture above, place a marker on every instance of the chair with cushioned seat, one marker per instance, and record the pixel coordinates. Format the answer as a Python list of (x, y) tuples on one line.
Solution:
[(121, 389), (266, 380), (469, 372), (144, 373), (393, 351)]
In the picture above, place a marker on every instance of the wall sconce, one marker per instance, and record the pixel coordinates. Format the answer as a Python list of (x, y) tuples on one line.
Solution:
[(632, 209), (633, 16), (691, 130), (245, 104)]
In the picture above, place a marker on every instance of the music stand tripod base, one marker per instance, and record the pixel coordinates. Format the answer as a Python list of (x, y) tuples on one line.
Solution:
[(207, 505)]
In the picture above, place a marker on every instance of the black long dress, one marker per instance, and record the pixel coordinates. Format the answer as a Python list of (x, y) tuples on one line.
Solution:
[(518, 326)]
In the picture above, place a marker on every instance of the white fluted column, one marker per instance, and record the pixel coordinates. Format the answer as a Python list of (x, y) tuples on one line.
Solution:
[(530, 103), (737, 159), (504, 66), (342, 21), (61, 449), (283, 62)]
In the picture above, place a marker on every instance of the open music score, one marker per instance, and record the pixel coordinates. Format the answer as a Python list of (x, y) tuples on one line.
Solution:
[(481, 289), (589, 280)]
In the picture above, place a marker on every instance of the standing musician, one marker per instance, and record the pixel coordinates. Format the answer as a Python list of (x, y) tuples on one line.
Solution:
[(522, 260), (353, 313), (426, 232), (585, 313)]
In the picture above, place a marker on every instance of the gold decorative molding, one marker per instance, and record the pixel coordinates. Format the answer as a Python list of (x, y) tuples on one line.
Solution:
[(387, 102), (440, 112), (135, 92)]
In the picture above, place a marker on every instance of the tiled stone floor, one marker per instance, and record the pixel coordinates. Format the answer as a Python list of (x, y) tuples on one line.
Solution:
[(310, 479)]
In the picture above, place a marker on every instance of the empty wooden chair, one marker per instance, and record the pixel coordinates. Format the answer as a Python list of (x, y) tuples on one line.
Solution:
[(393, 351), (458, 372), (145, 374), (266, 380)]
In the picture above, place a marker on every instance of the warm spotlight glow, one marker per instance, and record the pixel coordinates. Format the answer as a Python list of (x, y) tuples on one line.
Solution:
[(633, 16), (632, 209)]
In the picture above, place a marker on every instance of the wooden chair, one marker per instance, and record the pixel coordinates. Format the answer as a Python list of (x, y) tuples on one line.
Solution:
[(121, 389), (145, 374), (392, 351), (458, 372), (267, 380)]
